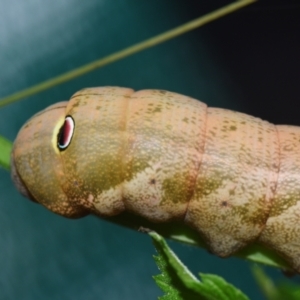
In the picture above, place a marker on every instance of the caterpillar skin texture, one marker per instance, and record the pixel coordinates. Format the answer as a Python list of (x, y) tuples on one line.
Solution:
[(232, 177)]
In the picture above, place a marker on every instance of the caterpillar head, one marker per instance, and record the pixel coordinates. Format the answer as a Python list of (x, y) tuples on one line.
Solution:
[(68, 156), (36, 165)]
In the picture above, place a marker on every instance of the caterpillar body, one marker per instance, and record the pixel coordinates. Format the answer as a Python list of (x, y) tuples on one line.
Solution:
[(166, 157)]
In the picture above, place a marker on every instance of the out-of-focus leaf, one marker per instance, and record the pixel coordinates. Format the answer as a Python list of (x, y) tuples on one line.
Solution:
[(274, 291), (289, 291), (5, 149)]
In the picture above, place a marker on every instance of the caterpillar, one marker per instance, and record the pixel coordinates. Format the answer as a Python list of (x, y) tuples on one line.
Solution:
[(165, 157)]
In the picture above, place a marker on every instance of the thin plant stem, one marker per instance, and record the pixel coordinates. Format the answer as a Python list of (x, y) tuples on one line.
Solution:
[(158, 39)]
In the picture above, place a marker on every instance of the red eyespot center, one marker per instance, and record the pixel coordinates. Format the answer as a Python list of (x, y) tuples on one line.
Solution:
[(66, 133)]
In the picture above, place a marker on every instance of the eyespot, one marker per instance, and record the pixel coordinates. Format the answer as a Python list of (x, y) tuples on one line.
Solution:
[(65, 133)]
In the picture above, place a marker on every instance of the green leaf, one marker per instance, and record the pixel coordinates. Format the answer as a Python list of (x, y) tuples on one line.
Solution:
[(221, 288), (289, 291), (5, 149), (274, 291), (266, 284), (179, 283), (167, 281)]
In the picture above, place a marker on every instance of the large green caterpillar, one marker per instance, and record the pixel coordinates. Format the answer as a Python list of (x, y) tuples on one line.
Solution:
[(164, 156)]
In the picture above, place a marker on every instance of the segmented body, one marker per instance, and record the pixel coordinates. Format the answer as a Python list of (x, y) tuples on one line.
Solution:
[(164, 156)]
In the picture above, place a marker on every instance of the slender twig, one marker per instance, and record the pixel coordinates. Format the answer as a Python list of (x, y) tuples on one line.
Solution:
[(126, 52)]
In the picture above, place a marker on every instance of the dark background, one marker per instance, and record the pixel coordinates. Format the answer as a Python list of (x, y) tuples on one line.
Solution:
[(247, 61)]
